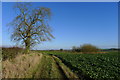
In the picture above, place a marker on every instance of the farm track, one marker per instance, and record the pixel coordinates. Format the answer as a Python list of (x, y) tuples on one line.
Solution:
[(67, 71), (60, 70), (48, 68), (52, 67)]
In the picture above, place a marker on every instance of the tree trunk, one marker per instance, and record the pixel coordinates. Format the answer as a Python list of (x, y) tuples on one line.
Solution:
[(27, 45)]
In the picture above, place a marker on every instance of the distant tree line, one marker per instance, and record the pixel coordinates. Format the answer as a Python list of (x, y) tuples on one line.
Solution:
[(86, 48), (91, 48), (111, 49)]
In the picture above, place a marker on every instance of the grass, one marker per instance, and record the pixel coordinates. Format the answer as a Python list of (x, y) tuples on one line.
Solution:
[(56, 72), (48, 69), (20, 66), (65, 69), (44, 68)]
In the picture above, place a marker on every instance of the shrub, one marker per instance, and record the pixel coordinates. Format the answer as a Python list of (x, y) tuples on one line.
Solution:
[(61, 49), (76, 49), (10, 52), (88, 48)]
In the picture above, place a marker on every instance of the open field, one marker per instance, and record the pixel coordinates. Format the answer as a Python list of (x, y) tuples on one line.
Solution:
[(63, 65), (91, 66)]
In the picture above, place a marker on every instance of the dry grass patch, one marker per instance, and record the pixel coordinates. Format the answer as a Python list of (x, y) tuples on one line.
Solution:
[(20, 66)]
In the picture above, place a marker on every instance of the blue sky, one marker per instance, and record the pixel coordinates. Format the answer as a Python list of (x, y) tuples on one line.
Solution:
[(73, 24), (60, 0)]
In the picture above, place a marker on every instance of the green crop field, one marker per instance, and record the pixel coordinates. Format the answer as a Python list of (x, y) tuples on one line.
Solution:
[(62, 65), (91, 66)]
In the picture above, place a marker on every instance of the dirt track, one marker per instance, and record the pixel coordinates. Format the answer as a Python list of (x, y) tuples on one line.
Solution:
[(52, 67)]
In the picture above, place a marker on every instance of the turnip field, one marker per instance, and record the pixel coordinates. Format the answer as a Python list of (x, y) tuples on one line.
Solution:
[(92, 66)]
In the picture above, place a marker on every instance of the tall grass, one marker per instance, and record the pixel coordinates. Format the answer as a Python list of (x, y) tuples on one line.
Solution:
[(22, 66)]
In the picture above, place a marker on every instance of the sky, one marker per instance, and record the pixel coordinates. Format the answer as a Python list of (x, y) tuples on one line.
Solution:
[(60, 0), (73, 24)]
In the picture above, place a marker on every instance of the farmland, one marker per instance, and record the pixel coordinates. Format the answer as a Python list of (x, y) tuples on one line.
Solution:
[(63, 65), (62, 41), (92, 66)]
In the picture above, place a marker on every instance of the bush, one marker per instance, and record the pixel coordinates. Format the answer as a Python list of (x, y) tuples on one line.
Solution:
[(88, 48), (11, 52), (61, 49), (76, 49)]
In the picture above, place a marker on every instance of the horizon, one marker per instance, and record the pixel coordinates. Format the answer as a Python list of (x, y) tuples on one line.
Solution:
[(73, 24)]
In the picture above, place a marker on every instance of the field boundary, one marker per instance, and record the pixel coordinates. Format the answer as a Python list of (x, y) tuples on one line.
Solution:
[(69, 74)]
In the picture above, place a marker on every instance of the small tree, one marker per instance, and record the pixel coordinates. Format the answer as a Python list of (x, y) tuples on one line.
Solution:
[(77, 49), (61, 49), (73, 48), (88, 48), (31, 25)]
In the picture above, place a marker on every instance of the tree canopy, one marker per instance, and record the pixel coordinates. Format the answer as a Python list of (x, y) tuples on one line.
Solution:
[(30, 26)]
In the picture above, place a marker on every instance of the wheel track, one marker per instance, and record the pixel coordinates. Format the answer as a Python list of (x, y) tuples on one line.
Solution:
[(51, 67), (65, 70)]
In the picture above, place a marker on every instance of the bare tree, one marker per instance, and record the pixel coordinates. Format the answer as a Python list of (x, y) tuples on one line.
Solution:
[(31, 25)]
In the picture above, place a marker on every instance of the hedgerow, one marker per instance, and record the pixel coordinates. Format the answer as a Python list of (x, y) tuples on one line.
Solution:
[(10, 52)]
